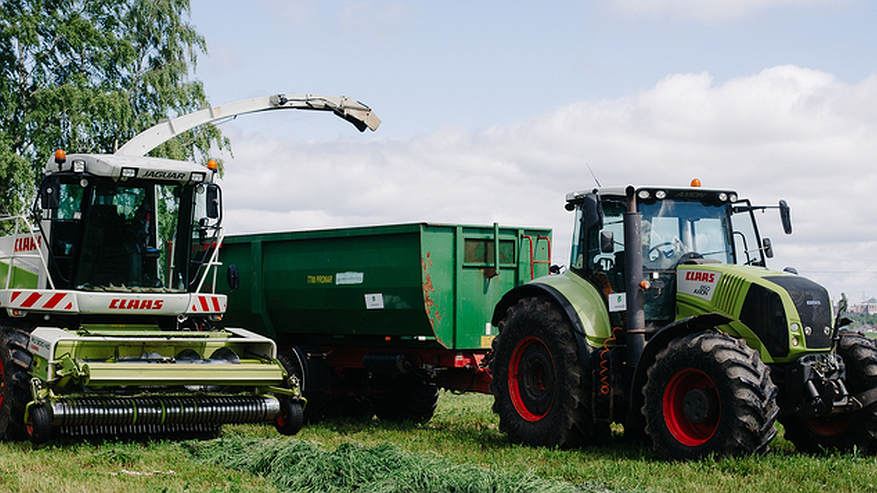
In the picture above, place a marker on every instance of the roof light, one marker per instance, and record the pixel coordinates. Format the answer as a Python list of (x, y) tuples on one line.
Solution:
[(129, 173), (197, 177), (60, 156), (79, 166), (732, 197), (212, 166), (644, 194), (695, 182), (723, 197), (661, 194)]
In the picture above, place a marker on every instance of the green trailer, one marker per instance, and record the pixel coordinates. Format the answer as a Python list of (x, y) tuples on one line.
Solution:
[(377, 318)]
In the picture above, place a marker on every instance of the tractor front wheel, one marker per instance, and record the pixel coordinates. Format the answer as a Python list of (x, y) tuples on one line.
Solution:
[(709, 393), (15, 361), (843, 432), (541, 391)]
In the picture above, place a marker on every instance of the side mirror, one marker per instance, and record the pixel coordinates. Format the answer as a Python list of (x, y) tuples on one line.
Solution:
[(50, 197), (214, 201), (607, 242), (593, 209), (786, 217), (767, 247), (233, 277)]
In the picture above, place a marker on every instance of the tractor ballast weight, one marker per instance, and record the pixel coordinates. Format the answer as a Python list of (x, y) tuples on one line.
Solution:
[(669, 323), (108, 303)]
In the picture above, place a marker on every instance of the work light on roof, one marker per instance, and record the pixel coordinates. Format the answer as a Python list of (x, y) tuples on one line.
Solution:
[(129, 173), (661, 194), (644, 194), (78, 166)]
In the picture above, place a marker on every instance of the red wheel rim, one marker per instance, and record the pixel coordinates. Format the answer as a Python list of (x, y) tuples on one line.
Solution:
[(686, 431), (827, 426), (282, 417), (531, 379)]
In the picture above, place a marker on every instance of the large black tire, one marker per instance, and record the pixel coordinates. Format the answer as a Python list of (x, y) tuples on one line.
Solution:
[(541, 392), (316, 406), (412, 399), (709, 393), (15, 361), (843, 432)]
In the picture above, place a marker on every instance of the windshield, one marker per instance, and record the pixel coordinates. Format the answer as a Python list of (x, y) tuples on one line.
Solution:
[(127, 234), (673, 228)]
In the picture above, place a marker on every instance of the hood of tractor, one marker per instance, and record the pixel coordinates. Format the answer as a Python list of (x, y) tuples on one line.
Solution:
[(784, 313)]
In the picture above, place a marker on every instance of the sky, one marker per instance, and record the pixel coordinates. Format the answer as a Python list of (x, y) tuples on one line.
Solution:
[(493, 111)]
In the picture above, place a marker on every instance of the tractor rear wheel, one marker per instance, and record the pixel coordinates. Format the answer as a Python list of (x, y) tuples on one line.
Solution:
[(541, 391), (15, 361), (709, 393), (843, 432)]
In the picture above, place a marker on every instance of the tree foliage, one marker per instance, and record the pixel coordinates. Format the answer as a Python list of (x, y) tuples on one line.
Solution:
[(86, 76)]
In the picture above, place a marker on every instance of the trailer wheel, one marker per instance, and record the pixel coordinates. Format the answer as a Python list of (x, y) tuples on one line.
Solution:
[(541, 392), (291, 418), (709, 393), (412, 399), (15, 361), (845, 431), (40, 428)]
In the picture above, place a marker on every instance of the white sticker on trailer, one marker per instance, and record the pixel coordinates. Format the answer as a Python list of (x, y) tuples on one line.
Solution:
[(374, 301), (349, 278)]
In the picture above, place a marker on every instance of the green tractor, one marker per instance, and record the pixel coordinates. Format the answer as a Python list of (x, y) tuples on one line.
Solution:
[(668, 322)]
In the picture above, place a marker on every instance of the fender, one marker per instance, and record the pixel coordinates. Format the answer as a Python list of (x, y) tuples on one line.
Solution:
[(656, 342), (545, 290)]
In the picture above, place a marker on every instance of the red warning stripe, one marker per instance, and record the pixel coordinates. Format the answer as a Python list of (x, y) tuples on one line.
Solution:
[(33, 298), (41, 301)]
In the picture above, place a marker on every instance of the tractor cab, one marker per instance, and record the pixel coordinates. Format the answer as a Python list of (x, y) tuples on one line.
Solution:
[(122, 224), (678, 226)]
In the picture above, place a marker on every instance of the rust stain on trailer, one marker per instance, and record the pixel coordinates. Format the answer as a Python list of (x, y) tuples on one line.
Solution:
[(432, 311)]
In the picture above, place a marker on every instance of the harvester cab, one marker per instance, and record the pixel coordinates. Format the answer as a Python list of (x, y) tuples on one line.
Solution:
[(109, 301), (669, 322)]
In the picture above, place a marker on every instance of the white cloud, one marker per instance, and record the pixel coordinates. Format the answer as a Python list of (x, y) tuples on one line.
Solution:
[(711, 10), (787, 132)]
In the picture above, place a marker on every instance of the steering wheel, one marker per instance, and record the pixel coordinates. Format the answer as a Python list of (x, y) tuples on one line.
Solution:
[(655, 251)]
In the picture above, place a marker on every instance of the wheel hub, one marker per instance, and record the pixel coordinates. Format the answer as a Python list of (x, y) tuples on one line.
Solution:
[(532, 379), (696, 406)]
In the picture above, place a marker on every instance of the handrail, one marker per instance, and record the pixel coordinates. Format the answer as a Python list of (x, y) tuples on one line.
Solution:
[(33, 235), (533, 260)]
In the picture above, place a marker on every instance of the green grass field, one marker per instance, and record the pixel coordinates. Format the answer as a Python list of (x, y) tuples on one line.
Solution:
[(461, 449)]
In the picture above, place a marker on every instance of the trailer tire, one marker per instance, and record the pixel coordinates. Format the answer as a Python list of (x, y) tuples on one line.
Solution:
[(541, 391), (40, 428), (290, 419), (414, 399), (15, 361), (709, 393), (856, 430)]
